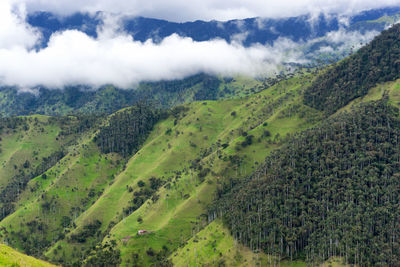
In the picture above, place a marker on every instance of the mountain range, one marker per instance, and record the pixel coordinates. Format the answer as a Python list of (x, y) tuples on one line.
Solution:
[(252, 31), (319, 41), (297, 170)]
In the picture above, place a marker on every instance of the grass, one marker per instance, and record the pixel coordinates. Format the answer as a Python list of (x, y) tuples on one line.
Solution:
[(391, 89), (20, 145), (214, 246), (12, 258), (174, 219), (180, 213)]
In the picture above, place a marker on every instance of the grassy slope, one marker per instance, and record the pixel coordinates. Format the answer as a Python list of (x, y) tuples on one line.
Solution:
[(19, 145), (11, 258), (177, 215), (71, 186), (200, 248), (214, 246), (391, 89)]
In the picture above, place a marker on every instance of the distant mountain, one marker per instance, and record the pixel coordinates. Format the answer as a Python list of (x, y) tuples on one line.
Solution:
[(250, 31), (108, 99), (323, 40)]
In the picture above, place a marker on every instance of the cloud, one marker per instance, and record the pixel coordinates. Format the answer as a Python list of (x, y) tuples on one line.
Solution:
[(350, 38), (183, 10), (340, 42), (14, 32), (72, 57)]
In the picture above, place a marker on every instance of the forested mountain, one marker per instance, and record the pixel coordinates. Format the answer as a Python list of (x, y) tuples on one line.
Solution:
[(108, 99), (298, 170), (329, 191), (258, 30), (319, 41), (353, 77)]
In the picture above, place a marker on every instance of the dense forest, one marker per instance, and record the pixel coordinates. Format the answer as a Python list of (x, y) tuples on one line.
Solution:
[(127, 130), (375, 63), (108, 99), (330, 191)]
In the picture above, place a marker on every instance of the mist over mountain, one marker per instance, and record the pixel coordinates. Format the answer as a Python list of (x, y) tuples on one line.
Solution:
[(134, 134), (43, 49), (247, 31)]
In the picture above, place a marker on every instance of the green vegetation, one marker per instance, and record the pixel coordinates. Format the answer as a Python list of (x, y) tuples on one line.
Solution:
[(89, 198), (109, 99), (12, 258), (127, 130), (265, 173), (353, 77), (331, 191)]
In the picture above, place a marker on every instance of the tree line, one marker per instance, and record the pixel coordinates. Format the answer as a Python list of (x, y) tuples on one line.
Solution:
[(333, 190), (353, 77)]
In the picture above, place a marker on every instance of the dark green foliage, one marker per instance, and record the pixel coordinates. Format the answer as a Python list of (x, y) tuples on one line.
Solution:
[(248, 141), (108, 99), (127, 130), (88, 231), (34, 241), (330, 191), (104, 256), (65, 221), (18, 183), (11, 123), (144, 194), (377, 62), (26, 164), (266, 133)]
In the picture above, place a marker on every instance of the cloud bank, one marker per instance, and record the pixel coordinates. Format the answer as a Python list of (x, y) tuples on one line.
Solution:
[(184, 10), (74, 58)]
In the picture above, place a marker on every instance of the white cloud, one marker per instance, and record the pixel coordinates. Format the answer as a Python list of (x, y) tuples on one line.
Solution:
[(342, 41), (183, 10), (72, 57), (14, 31), (353, 37)]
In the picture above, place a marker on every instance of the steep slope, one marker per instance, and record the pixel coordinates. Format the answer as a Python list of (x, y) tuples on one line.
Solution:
[(29, 146), (55, 198), (331, 191), (109, 99), (192, 252), (215, 246), (166, 186), (12, 258), (353, 77)]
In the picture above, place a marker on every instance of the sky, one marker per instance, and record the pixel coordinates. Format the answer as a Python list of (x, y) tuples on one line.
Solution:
[(189, 10), (114, 57)]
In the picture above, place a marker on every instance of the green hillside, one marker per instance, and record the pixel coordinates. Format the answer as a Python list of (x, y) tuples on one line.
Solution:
[(377, 62), (298, 173), (12, 258), (176, 174), (109, 99), (179, 169), (323, 194)]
